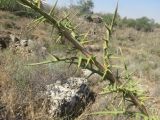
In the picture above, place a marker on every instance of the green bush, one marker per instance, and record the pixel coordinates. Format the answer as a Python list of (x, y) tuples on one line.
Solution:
[(157, 25), (10, 5), (129, 22), (141, 24), (18, 9), (84, 7), (108, 18), (144, 24)]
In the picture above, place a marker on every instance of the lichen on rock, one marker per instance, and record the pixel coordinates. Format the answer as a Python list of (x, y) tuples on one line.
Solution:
[(68, 99)]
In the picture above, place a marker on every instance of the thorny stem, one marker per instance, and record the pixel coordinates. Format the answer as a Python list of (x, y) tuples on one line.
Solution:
[(74, 41)]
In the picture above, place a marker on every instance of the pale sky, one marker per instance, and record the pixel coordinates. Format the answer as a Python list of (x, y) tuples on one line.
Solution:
[(129, 8)]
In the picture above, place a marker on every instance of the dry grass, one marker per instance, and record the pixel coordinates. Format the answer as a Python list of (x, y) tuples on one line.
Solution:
[(16, 106), (19, 84), (141, 52)]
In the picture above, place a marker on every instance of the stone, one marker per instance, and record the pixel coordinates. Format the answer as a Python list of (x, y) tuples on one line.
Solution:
[(24, 43), (93, 48), (94, 18), (68, 99), (31, 43), (14, 39), (43, 51), (0, 46), (86, 72), (4, 41)]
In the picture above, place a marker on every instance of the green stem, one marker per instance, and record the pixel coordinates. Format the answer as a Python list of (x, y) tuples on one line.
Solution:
[(75, 42)]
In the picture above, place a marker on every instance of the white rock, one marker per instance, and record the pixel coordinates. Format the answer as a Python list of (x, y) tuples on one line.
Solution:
[(24, 43), (86, 72), (66, 98), (14, 38)]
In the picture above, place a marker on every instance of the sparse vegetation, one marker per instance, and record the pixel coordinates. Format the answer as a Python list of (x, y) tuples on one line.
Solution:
[(19, 86)]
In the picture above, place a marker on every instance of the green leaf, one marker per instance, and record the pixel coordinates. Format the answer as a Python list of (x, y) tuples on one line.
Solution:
[(54, 57), (88, 61), (37, 3), (123, 59), (52, 10), (23, 5), (80, 61), (58, 39), (41, 63), (36, 22), (65, 17), (86, 42), (73, 34), (85, 36), (108, 28), (114, 17), (106, 72), (104, 75)]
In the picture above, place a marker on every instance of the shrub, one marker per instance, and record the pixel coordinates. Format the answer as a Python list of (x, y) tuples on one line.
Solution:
[(157, 25), (84, 7), (108, 18), (141, 24), (14, 6), (145, 24), (129, 22), (10, 5)]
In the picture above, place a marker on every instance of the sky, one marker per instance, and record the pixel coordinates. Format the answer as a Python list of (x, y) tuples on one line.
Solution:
[(127, 8)]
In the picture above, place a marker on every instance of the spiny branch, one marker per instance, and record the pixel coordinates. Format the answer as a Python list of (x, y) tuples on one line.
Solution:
[(68, 34)]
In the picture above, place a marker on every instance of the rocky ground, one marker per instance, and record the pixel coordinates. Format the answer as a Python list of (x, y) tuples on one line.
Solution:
[(47, 91)]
